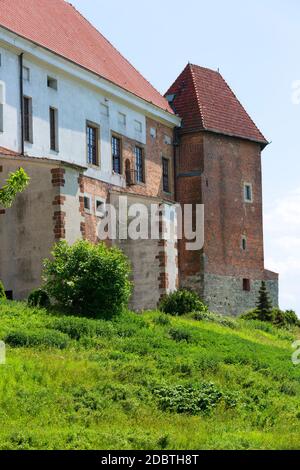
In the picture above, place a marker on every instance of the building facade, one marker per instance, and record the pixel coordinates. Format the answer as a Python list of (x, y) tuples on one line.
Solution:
[(87, 128)]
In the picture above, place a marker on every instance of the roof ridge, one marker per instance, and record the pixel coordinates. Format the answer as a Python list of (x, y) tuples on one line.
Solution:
[(197, 95), (118, 52)]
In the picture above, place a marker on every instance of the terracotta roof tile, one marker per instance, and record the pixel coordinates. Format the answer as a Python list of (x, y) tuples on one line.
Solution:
[(60, 28), (205, 101)]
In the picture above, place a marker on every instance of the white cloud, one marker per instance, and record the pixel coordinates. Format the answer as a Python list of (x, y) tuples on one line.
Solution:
[(282, 246)]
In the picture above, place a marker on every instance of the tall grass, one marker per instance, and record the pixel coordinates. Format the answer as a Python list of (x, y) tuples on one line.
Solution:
[(145, 382)]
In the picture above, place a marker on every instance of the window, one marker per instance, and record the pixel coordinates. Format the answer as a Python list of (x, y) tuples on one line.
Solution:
[(153, 132), (122, 119), (27, 110), (52, 83), (116, 154), (138, 126), (87, 203), (244, 243), (248, 195), (92, 134), (26, 74), (104, 109), (139, 165), (246, 285), (167, 140), (166, 171), (53, 129)]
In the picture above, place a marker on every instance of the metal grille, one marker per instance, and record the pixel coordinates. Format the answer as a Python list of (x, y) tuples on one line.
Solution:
[(53, 136), (27, 119), (92, 145), (166, 183), (116, 154), (139, 164)]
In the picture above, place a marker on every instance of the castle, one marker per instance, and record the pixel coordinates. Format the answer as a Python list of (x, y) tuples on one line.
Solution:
[(87, 128)]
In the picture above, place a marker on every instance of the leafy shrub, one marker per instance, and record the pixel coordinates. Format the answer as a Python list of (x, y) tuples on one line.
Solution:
[(278, 318), (77, 328), (180, 334), (285, 319), (39, 298), (189, 399), (90, 280), (2, 292), (214, 318), (182, 302), (162, 320), (43, 337)]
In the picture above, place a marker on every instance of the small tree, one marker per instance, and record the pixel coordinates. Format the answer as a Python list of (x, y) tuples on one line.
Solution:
[(90, 280), (15, 184), (264, 305)]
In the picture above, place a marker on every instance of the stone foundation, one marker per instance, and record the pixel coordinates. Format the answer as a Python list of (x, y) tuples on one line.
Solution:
[(225, 294)]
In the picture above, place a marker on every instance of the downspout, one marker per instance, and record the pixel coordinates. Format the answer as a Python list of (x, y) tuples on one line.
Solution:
[(21, 103), (176, 150)]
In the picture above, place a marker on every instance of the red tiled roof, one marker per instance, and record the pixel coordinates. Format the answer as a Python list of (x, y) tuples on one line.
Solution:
[(205, 101), (59, 27), (4, 151)]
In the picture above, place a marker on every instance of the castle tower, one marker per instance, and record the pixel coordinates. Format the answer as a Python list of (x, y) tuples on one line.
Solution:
[(218, 164)]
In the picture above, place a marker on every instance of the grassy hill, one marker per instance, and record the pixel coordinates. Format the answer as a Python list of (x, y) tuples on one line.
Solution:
[(145, 382)]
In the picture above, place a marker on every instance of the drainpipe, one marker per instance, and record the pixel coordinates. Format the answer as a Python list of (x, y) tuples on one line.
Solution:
[(176, 151), (21, 103)]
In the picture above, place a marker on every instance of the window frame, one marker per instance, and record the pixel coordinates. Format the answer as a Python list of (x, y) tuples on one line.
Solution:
[(140, 171), (117, 137), (96, 128), (55, 147), (246, 187), (28, 126), (166, 160)]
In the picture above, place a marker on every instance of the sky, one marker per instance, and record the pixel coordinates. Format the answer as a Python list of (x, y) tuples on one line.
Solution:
[(255, 44)]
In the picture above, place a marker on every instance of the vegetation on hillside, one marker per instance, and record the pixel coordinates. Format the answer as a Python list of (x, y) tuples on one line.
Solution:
[(151, 381)]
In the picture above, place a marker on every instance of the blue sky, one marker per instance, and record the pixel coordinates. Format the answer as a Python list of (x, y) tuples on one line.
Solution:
[(255, 44)]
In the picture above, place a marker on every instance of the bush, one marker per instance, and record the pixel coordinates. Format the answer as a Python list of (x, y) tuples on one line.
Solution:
[(285, 319), (189, 399), (215, 318), (39, 298), (77, 328), (43, 337), (182, 302), (87, 279), (180, 334), (2, 292), (277, 317)]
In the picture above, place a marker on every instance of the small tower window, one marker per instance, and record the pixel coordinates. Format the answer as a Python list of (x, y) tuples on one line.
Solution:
[(248, 193), (246, 285), (244, 243)]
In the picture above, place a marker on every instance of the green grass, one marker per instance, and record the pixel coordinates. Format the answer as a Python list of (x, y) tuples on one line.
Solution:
[(145, 382)]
